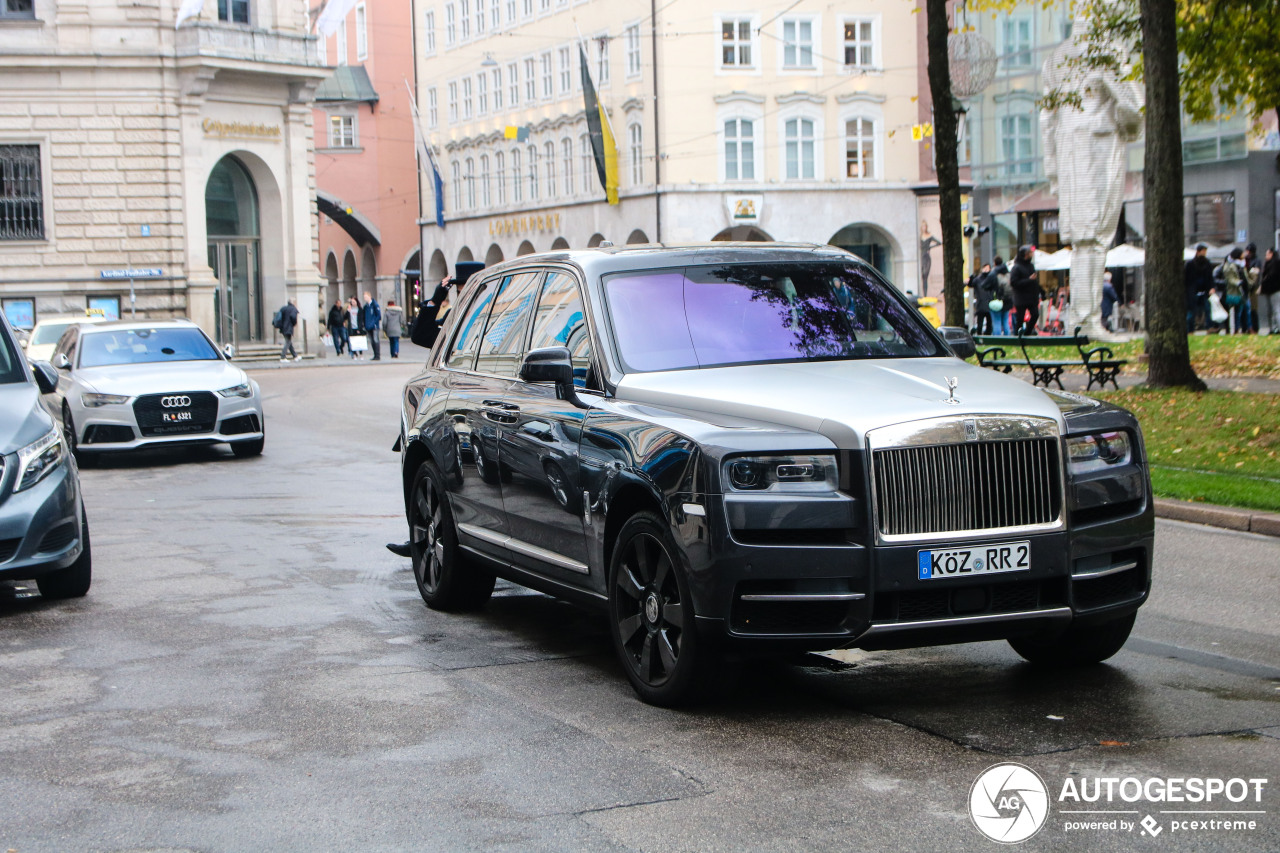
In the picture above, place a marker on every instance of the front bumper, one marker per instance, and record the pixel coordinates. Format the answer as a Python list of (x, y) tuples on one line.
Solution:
[(40, 526), (114, 428)]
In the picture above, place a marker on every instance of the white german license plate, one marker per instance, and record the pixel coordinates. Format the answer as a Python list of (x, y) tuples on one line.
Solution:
[(976, 560)]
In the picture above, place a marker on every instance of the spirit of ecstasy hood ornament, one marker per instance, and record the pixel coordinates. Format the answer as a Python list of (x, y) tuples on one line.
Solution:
[(952, 383)]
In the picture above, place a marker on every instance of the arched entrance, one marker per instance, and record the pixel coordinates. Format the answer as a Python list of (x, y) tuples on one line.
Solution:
[(493, 257), (349, 283), (331, 278), (437, 269), (869, 243), (595, 240), (526, 248), (559, 243), (233, 228), (742, 234), (636, 238)]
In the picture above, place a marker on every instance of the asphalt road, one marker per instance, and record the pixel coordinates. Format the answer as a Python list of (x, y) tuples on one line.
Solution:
[(252, 670)]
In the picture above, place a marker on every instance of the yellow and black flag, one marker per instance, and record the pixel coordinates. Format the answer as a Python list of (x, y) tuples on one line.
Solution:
[(603, 147)]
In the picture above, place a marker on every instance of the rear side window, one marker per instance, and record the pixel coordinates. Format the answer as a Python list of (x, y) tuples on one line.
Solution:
[(10, 367), (467, 341), (508, 328), (559, 322)]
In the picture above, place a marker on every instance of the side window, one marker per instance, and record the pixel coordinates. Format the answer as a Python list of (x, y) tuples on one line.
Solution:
[(559, 323), (504, 337), (67, 344), (467, 341)]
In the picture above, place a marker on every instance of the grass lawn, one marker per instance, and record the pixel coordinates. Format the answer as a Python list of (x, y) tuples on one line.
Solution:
[(1220, 447), (1222, 356)]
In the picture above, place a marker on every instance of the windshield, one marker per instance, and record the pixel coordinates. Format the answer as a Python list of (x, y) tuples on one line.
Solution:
[(48, 333), (144, 346), (748, 313), (10, 366)]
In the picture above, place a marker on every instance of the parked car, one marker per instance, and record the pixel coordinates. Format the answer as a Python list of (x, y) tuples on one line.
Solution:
[(44, 533), (748, 449), (45, 334), (128, 384)]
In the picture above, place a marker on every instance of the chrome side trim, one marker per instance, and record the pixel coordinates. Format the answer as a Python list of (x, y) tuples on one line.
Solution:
[(804, 596), (522, 547), (882, 629), (1102, 573)]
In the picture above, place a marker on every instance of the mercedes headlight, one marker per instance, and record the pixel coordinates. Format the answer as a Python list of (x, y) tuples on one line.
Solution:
[(93, 401), (37, 459), (798, 473), (243, 390), (1098, 452)]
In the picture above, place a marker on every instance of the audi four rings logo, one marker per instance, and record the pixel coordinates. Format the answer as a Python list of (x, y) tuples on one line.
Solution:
[(176, 401)]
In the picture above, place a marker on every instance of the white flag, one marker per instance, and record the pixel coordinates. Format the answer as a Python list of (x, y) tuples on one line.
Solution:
[(188, 9), (332, 16)]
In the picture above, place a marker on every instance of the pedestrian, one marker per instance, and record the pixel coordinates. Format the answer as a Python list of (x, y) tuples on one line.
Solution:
[(372, 315), (1269, 283), (393, 325), (355, 327), (1109, 300), (337, 324), (981, 298), (1197, 279), (999, 280), (287, 322), (1237, 281), (1026, 291), (1252, 270)]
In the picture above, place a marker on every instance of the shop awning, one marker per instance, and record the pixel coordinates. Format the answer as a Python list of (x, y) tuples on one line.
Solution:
[(348, 83)]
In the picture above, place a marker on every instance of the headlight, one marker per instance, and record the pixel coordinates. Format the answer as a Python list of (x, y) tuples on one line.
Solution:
[(93, 401), (37, 459), (801, 473), (245, 390), (1088, 453)]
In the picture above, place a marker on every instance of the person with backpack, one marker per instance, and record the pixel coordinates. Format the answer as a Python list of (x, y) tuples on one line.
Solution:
[(1001, 296), (1237, 282), (286, 320)]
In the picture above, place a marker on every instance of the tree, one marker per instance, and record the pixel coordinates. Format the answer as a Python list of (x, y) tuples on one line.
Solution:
[(1230, 56), (946, 158)]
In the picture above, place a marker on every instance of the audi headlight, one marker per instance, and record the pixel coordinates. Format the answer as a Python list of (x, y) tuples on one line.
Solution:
[(243, 390), (799, 473), (37, 459), (93, 401), (1098, 452)]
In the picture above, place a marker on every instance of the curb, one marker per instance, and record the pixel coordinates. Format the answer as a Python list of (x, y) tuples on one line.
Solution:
[(1247, 520)]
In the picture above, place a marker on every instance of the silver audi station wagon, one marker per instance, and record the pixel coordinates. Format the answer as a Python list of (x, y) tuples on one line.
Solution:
[(742, 449)]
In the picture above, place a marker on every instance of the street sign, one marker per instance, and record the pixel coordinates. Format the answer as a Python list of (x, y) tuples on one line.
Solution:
[(146, 272)]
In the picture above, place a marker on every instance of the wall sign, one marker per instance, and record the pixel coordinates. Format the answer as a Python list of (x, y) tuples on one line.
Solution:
[(240, 129), (745, 209)]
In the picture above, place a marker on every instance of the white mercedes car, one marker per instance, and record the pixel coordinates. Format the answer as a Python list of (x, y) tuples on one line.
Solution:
[(129, 384)]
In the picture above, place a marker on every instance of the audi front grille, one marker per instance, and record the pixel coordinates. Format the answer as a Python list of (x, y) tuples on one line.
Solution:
[(150, 410)]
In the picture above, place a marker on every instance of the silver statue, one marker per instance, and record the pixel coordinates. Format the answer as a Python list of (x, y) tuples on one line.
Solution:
[(1084, 160)]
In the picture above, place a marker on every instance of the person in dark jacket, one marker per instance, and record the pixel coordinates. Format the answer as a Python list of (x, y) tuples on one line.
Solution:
[(371, 313), (337, 324), (1026, 292), (1109, 300), (1198, 281), (288, 322), (1270, 289), (393, 325), (998, 281), (981, 296)]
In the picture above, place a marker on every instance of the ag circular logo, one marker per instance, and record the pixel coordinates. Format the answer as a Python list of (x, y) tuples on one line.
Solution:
[(1008, 803), (176, 401)]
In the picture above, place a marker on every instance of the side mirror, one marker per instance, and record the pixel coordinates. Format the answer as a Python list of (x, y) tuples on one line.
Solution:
[(552, 364), (46, 376), (958, 338), (229, 351), (61, 361)]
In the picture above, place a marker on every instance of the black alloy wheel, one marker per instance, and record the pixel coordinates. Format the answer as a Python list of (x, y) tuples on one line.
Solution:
[(558, 482), (652, 617), (446, 579)]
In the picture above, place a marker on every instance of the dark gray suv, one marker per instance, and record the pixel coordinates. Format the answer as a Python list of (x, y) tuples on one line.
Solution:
[(44, 533), (756, 448)]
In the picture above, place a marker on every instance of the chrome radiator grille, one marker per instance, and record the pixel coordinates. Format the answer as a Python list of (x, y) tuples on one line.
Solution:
[(972, 486)]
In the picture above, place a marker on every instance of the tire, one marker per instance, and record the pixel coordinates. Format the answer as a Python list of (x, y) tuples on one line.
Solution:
[(651, 617), (73, 581), (245, 449), (446, 579), (1079, 645), (559, 485), (83, 460)]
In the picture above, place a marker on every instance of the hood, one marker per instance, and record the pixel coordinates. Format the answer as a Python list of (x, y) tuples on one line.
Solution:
[(137, 379), (841, 399), (22, 418)]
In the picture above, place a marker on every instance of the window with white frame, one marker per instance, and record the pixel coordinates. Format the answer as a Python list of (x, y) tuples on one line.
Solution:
[(342, 43), (455, 171), (602, 59), (533, 173), (635, 153), (511, 12), (740, 148), (21, 193), (500, 172), (1015, 42), (362, 33), (544, 6), (631, 38), (566, 70), (549, 163), (797, 43), (566, 158), (233, 11), (860, 147), (450, 25), (495, 15), (322, 48), (480, 18), (799, 149), (588, 160), (464, 19), (482, 93), (433, 108), (485, 198), (517, 179), (496, 76), (530, 82), (860, 42), (1017, 143), (429, 33), (737, 43), (453, 102), (467, 104), (548, 80), (471, 183), (342, 131), (526, 8)]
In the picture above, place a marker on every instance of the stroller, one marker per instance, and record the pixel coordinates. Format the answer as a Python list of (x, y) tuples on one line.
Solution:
[(1055, 316)]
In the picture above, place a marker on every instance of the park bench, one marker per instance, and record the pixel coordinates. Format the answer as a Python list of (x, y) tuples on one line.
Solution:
[(1100, 363)]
